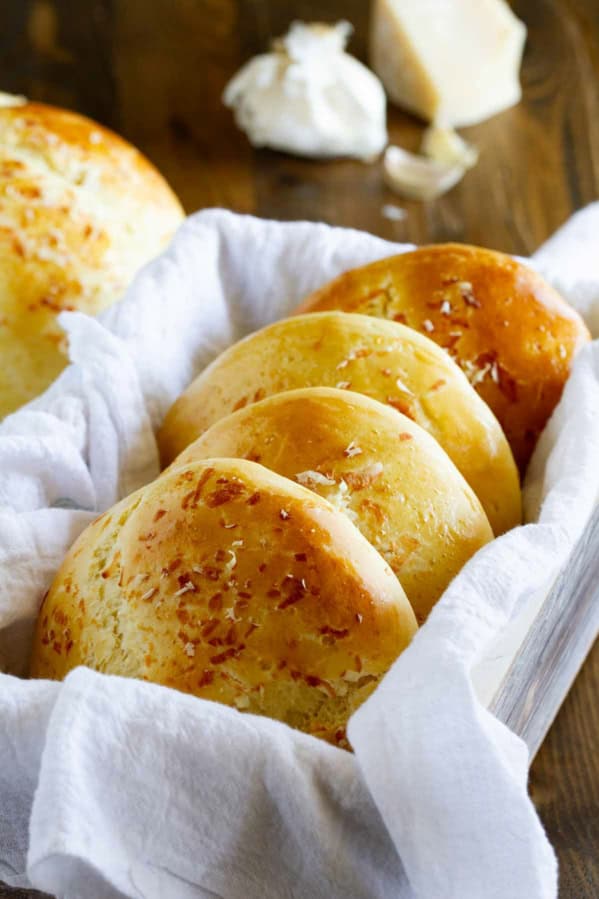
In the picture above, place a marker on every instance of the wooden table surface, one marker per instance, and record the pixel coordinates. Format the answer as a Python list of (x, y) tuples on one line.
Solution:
[(154, 70)]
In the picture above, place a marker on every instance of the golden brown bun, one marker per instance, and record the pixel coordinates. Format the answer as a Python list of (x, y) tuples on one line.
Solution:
[(509, 331), (80, 212), (227, 581), (381, 359), (393, 480)]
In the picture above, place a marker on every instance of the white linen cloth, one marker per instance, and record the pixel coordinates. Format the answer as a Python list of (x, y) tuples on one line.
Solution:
[(112, 787)]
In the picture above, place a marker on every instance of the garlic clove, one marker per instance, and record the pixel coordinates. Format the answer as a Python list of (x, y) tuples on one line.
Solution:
[(446, 145), (417, 177)]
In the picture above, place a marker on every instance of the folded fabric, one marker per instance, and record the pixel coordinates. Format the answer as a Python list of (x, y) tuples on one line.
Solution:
[(142, 791)]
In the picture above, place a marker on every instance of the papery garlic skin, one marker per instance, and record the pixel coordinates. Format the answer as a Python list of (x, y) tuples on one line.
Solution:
[(309, 97)]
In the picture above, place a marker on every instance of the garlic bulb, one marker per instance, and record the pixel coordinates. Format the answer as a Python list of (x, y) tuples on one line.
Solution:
[(309, 97)]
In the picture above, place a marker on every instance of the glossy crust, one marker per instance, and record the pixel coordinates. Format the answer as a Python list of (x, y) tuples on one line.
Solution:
[(384, 471), (508, 330), (230, 582), (80, 212), (384, 360)]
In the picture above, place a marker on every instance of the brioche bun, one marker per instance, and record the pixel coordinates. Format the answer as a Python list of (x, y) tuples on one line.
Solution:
[(508, 330), (81, 212), (384, 471), (225, 580), (381, 359)]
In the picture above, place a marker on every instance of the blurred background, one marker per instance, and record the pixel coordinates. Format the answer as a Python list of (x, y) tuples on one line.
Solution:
[(154, 70)]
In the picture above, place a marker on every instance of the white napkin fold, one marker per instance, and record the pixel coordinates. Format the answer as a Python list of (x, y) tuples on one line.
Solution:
[(142, 791), (209, 802)]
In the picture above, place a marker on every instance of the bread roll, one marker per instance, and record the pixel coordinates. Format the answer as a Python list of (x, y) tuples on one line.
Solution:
[(227, 581), (393, 480), (381, 359), (80, 212), (508, 330)]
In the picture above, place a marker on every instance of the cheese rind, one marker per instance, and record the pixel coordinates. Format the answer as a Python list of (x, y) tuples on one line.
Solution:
[(453, 63)]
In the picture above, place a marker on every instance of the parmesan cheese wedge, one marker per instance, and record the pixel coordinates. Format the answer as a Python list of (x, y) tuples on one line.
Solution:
[(452, 62)]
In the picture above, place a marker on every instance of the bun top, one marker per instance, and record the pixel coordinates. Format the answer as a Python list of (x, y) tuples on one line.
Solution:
[(82, 211), (230, 582), (382, 359), (384, 471), (509, 331)]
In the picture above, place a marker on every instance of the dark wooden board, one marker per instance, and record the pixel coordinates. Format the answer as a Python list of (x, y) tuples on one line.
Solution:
[(155, 69)]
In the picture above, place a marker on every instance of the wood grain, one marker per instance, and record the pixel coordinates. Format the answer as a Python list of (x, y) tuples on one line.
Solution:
[(170, 96), (155, 72), (555, 646), (564, 786)]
